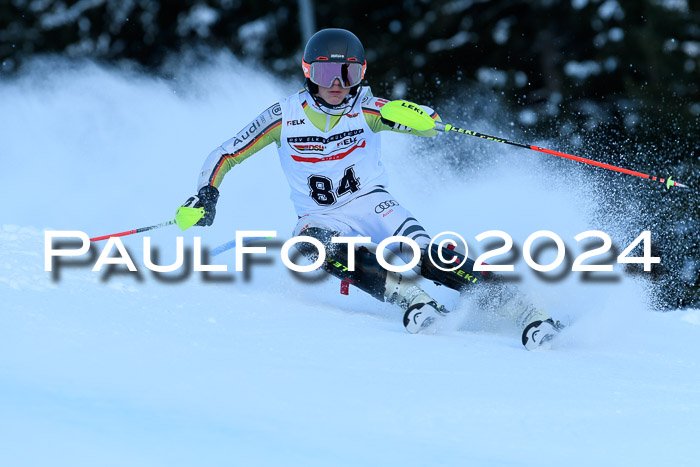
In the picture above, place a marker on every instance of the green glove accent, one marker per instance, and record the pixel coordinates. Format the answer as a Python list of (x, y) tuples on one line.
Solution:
[(407, 114), (187, 217), (669, 183)]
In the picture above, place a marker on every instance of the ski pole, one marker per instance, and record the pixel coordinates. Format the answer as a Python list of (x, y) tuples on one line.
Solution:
[(130, 232), (669, 182), (184, 218), (411, 115)]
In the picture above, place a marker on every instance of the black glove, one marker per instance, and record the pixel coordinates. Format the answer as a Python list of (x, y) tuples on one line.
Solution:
[(388, 122), (395, 125), (206, 198)]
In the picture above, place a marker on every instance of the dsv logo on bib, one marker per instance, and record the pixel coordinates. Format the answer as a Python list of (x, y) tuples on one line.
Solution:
[(384, 205)]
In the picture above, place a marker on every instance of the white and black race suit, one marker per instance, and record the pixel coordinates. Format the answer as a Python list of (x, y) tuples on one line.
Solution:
[(326, 170)]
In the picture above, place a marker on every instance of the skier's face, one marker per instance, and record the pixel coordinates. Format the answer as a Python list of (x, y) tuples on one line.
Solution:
[(335, 94)]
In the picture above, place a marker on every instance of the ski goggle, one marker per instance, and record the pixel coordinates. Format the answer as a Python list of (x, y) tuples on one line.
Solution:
[(325, 73)]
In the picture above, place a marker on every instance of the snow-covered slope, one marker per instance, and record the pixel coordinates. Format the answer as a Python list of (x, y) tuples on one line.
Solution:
[(266, 369)]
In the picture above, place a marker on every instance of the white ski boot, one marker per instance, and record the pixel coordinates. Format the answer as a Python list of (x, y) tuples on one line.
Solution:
[(421, 316), (541, 329), (421, 310)]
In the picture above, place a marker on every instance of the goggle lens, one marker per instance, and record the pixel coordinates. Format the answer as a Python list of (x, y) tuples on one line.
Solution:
[(325, 73)]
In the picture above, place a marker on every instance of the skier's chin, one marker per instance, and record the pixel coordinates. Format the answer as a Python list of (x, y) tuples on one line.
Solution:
[(332, 97), (334, 100)]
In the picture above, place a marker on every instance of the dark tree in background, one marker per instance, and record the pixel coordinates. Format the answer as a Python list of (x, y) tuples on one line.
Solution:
[(545, 54), (624, 74)]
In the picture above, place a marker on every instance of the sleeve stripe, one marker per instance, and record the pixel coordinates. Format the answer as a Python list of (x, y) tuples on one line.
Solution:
[(225, 157)]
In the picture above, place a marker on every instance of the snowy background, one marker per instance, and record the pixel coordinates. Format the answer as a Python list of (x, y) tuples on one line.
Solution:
[(264, 369)]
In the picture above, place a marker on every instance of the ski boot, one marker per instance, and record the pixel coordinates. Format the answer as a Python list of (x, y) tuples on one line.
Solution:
[(421, 316), (541, 329), (421, 311)]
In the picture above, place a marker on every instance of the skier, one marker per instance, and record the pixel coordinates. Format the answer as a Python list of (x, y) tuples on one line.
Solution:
[(328, 140)]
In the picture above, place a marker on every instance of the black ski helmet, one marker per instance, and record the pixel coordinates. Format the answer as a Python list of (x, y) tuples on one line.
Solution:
[(333, 45)]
